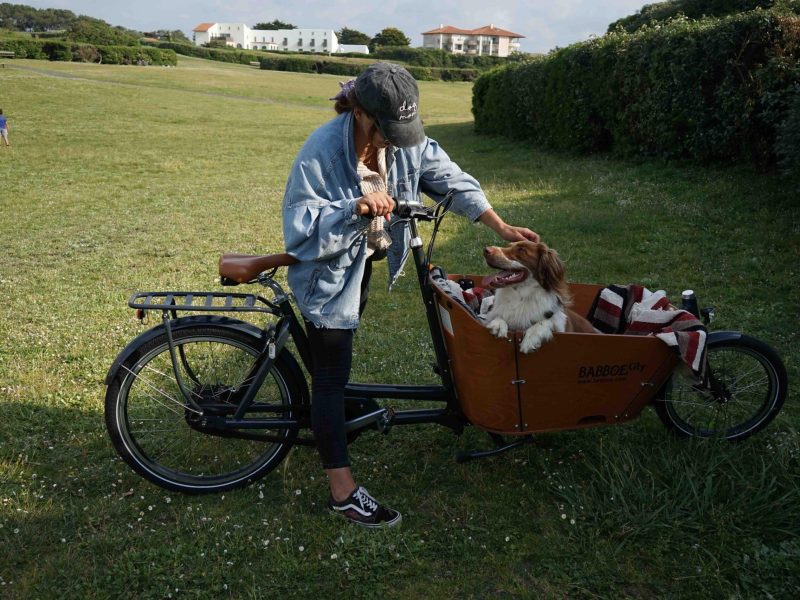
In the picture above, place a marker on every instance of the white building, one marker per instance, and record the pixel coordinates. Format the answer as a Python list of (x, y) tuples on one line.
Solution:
[(239, 35), (487, 40)]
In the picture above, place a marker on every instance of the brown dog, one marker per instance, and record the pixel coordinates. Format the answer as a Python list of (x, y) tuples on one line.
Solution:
[(531, 294)]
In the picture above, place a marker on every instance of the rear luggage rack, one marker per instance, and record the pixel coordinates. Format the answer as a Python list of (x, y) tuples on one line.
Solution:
[(200, 302)]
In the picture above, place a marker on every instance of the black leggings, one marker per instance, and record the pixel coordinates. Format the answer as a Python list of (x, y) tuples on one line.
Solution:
[(331, 360)]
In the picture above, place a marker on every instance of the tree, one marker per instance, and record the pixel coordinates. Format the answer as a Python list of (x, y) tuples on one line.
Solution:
[(276, 24), (352, 36), (25, 18), (95, 31), (390, 36)]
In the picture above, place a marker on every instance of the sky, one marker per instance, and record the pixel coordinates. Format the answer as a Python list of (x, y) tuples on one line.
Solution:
[(546, 24)]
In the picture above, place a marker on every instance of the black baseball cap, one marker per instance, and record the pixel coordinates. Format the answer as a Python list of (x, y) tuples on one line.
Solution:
[(389, 94)]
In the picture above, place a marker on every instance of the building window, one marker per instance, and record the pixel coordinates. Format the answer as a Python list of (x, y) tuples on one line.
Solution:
[(299, 42), (324, 43), (312, 43), (285, 41), (458, 46)]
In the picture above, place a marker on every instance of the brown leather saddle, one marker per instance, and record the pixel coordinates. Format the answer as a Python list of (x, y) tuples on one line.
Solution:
[(246, 267)]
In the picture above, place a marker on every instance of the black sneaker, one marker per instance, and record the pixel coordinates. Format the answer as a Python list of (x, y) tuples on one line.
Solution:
[(362, 509)]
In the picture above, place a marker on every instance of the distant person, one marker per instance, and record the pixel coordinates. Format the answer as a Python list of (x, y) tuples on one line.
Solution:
[(4, 128)]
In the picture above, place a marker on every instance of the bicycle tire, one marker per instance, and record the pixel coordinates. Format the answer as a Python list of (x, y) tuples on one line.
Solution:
[(751, 387), (185, 458)]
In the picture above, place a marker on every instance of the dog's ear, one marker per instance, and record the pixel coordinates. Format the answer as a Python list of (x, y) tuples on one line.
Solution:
[(551, 270)]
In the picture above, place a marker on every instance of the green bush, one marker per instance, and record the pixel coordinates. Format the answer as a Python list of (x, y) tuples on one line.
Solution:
[(714, 89), (661, 12), (60, 50), (301, 64), (243, 57), (23, 48), (433, 57), (787, 145), (287, 63)]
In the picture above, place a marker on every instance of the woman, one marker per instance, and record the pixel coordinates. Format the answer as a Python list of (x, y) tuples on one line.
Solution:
[(339, 192)]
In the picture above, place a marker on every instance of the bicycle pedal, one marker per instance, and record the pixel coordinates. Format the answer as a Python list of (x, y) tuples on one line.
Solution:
[(384, 422)]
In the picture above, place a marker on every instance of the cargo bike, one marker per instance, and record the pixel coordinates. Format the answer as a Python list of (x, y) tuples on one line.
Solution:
[(208, 402)]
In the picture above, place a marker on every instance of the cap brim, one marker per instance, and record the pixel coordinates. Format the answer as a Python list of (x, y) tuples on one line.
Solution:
[(403, 134)]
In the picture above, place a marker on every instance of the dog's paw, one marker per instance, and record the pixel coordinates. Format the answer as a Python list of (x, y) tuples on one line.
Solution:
[(534, 337), (498, 328)]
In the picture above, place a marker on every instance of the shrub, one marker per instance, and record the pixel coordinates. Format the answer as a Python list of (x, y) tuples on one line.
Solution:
[(69, 51), (243, 57), (86, 53), (433, 57), (714, 89), (661, 12), (300, 64), (23, 48), (57, 50), (787, 145)]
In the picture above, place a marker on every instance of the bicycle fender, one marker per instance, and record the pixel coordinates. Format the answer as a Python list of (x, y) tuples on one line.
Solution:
[(178, 325), (715, 337)]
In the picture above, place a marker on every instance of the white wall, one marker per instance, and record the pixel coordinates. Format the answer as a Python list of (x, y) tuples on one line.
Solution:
[(238, 35)]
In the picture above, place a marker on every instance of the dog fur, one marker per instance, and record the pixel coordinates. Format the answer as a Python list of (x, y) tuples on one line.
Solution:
[(531, 294)]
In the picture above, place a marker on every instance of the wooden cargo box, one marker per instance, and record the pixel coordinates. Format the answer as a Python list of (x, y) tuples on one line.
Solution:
[(575, 380)]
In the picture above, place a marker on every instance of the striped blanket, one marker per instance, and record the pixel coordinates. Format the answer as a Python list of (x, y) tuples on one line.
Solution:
[(635, 310)]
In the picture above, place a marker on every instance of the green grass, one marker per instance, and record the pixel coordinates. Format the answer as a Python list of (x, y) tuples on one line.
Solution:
[(126, 178)]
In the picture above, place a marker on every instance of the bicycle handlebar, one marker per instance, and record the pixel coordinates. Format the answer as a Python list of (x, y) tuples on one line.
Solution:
[(242, 268)]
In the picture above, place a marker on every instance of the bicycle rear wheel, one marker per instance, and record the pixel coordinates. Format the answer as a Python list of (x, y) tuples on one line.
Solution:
[(165, 441), (747, 389)]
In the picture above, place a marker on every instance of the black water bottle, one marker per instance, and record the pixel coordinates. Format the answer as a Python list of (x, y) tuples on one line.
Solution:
[(689, 303)]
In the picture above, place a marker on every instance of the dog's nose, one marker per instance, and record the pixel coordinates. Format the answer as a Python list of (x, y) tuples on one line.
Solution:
[(487, 250)]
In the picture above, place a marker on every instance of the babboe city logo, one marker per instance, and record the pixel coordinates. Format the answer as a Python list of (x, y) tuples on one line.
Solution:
[(608, 372)]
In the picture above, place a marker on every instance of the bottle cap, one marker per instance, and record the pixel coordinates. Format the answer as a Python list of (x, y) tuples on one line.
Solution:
[(687, 294)]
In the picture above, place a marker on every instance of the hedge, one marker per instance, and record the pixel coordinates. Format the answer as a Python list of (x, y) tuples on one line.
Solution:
[(72, 51), (334, 67), (714, 89), (243, 57), (787, 144), (432, 57), (650, 14)]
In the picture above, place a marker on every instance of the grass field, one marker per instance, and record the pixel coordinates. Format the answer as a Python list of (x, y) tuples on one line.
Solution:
[(126, 178)]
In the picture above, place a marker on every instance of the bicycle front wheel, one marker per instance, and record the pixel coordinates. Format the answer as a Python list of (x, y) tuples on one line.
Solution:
[(164, 439), (747, 389)]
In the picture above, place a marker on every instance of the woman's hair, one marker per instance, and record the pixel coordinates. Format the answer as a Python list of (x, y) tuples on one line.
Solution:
[(346, 102)]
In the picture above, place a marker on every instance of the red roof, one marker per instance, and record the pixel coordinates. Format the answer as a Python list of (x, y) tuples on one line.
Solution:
[(485, 30), (447, 29), (204, 27)]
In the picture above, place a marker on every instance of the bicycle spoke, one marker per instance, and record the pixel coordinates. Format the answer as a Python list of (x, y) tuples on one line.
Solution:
[(138, 377)]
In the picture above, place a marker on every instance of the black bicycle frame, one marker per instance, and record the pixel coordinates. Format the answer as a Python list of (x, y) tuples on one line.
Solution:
[(288, 325)]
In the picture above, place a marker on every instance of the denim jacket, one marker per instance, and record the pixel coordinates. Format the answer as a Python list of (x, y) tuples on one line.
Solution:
[(322, 229)]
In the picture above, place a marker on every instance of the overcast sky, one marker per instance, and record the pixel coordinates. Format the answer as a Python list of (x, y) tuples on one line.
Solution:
[(544, 23)]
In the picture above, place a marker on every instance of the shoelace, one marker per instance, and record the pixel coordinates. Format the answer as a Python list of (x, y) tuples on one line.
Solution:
[(365, 499)]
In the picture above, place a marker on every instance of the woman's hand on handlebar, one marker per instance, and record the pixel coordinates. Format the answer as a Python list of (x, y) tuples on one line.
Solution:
[(375, 204)]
